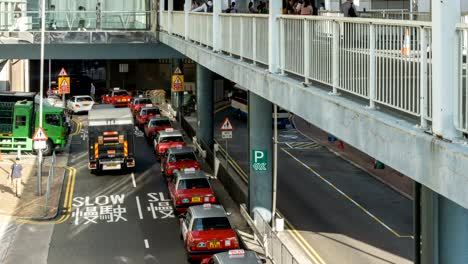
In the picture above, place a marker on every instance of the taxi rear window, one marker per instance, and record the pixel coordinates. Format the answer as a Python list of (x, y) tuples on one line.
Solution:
[(193, 184), (120, 93), (144, 101), (183, 157), (154, 111), (172, 139), (211, 223), (159, 123)]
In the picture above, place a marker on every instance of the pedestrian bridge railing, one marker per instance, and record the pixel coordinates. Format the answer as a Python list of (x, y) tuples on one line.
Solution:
[(386, 62)]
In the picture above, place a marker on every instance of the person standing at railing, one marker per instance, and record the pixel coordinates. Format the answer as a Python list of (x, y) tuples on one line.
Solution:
[(252, 9), (232, 8), (98, 16), (81, 18), (195, 4), (206, 7), (17, 16), (348, 9), (52, 25)]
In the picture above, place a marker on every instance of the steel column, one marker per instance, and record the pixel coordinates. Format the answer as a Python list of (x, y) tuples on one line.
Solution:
[(453, 232), (429, 226), (205, 106), (260, 139)]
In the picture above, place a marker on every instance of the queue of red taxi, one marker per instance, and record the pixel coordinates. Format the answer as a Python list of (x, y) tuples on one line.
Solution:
[(204, 224)]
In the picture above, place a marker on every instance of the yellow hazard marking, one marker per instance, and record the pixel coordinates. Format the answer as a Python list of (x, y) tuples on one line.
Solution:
[(79, 125), (349, 198)]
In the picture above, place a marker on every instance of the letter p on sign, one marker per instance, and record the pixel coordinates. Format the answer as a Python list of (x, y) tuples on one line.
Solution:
[(259, 160)]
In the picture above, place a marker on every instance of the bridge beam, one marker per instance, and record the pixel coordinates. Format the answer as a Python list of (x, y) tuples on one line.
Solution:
[(261, 151)]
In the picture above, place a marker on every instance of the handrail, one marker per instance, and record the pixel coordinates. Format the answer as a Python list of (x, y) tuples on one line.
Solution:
[(358, 20)]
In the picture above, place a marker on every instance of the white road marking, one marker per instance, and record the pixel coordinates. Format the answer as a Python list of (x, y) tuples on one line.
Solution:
[(140, 213), (146, 243), (133, 180)]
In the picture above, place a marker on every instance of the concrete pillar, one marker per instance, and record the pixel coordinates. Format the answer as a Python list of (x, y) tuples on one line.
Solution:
[(205, 106), (453, 232), (170, 8), (217, 9), (273, 36), (5, 70), (187, 8), (445, 16), (429, 226), (260, 139)]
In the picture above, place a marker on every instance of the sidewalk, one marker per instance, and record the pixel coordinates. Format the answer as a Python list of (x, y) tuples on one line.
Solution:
[(389, 176), (29, 206)]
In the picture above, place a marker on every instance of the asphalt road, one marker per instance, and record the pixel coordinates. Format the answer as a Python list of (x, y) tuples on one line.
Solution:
[(116, 219), (345, 215)]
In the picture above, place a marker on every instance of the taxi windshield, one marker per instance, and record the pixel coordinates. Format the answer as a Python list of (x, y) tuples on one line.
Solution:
[(183, 157), (120, 93), (160, 123), (152, 111), (144, 101), (211, 223), (172, 139), (193, 184)]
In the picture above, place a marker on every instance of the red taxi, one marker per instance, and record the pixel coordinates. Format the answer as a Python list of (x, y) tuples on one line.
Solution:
[(179, 158), (156, 124), (164, 140), (138, 102), (189, 188), (235, 256), (206, 230), (116, 97), (145, 114)]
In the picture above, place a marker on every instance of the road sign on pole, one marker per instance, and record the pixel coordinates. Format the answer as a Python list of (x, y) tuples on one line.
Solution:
[(64, 85), (40, 135), (63, 72), (226, 134), (226, 126), (259, 160)]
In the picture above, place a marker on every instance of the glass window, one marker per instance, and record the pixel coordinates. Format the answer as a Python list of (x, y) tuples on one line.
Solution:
[(185, 156), (84, 99), (172, 139), (211, 223), (145, 101), (120, 93), (53, 119), (159, 123), (152, 111), (20, 121), (193, 184)]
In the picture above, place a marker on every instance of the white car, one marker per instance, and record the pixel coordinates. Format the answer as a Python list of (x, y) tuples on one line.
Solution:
[(80, 103)]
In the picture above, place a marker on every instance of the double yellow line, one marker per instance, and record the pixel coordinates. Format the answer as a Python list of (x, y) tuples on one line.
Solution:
[(308, 249), (79, 125)]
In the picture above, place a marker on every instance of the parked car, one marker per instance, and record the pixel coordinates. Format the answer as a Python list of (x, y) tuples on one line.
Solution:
[(80, 103), (179, 158), (164, 140), (235, 256)]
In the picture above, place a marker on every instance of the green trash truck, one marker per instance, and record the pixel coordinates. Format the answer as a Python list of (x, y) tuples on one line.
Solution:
[(19, 119)]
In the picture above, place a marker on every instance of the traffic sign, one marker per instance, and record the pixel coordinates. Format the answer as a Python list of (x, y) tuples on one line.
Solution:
[(259, 160), (64, 85), (40, 135), (226, 134), (226, 126), (63, 72), (177, 83), (177, 71)]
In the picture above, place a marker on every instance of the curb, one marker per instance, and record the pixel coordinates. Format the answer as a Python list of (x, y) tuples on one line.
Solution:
[(357, 165)]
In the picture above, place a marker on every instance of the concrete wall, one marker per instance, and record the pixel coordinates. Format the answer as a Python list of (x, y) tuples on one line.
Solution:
[(5, 76), (437, 164), (19, 75)]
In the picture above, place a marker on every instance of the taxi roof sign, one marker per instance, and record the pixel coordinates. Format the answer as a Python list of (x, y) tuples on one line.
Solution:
[(116, 88), (226, 126), (236, 253), (40, 135), (149, 105)]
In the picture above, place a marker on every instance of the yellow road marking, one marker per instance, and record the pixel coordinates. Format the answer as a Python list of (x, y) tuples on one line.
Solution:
[(79, 125), (348, 197), (304, 244), (66, 201)]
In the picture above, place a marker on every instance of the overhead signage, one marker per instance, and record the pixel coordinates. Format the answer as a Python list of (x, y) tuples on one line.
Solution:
[(40, 135), (226, 126), (64, 85), (63, 73)]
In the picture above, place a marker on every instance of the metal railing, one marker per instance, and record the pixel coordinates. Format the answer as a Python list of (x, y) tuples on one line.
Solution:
[(12, 21), (462, 123), (178, 23), (50, 181), (274, 248), (401, 14), (200, 28), (383, 61)]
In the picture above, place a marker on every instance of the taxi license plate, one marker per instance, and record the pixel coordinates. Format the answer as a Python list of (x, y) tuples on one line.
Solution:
[(85, 104), (196, 199), (214, 244)]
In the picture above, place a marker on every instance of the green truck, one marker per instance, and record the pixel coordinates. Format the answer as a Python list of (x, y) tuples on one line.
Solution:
[(19, 119)]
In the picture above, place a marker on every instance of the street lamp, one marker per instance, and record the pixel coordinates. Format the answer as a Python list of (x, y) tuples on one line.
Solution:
[(41, 99)]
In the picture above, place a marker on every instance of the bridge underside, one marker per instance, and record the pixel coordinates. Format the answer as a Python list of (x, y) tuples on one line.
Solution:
[(439, 165)]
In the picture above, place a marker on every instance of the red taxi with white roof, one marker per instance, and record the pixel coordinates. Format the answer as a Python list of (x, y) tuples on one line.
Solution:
[(117, 97), (164, 140), (138, 102), (206, 230), (179, 158), (145, 114), (188, 188), (235, 256), (156, 124)]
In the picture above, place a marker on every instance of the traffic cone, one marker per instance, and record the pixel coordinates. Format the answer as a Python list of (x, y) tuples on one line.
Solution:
[(406, 49), (340, 145)]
